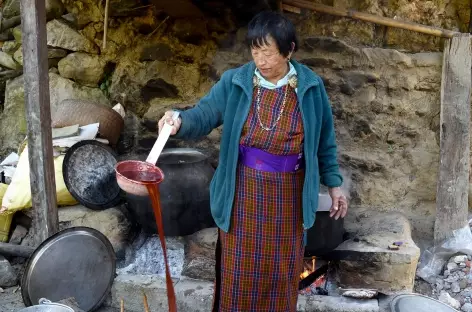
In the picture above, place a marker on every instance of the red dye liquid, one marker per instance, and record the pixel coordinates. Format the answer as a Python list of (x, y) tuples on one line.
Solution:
[(156, 205), (142, 176), (151, 180)]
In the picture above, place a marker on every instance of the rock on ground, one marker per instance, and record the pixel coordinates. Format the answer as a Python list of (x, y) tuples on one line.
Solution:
[(61, 35), (110, 222), (7, 61), (447, 299), (454, 286), (200, 255), (199, 267), (467, 307), (13, 120), (368, 263), (83, 68), (64, 89), (8, 276), (18, 234), (52, 54), (10, 46)]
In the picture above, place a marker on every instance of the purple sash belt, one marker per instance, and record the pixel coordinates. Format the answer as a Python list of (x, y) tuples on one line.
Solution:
[(261, 160)]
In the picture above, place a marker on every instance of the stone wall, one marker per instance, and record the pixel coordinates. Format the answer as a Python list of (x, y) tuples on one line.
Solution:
[(385, 102), (452, 15)]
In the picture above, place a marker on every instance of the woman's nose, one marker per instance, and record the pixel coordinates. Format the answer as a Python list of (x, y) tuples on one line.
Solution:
[(259, 61)]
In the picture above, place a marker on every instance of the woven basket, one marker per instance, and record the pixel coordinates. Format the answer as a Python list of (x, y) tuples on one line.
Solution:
[(83, 112)]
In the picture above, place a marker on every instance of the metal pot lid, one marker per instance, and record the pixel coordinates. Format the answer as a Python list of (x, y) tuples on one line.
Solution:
[(89, 174), (418, 303), (75, 263)]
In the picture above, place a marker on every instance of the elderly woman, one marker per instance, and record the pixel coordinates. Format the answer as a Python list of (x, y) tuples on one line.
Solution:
[(278, 144)]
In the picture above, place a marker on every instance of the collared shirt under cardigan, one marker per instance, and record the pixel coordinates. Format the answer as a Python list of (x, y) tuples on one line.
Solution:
[(228, 104)]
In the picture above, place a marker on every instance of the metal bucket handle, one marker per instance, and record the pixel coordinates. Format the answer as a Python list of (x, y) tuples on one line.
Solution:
[(44, 301)]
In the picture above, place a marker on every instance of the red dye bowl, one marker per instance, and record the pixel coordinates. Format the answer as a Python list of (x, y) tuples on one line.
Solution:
[(133, 176)]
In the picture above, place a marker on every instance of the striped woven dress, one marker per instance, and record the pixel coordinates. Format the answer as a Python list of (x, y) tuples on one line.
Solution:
[(261, 255)]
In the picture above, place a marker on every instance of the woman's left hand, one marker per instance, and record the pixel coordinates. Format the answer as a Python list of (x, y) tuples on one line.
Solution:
[(339, 205)]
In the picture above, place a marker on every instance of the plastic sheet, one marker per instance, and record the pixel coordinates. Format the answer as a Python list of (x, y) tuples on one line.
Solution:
[(432, 260)]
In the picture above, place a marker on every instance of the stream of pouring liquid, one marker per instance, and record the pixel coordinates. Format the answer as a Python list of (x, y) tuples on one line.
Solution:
[(156, 205)]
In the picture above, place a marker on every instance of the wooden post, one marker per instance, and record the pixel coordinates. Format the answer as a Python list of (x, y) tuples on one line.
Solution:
[(453, 178), (38, 114)]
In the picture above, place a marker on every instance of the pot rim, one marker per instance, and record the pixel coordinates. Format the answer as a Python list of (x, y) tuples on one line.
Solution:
[(143, 184), (182, 151)]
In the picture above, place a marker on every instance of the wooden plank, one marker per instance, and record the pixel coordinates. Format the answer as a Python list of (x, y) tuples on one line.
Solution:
[(386, 21), (291, 9), (38, 112), (15, 250), (105, 26), (453, 178)]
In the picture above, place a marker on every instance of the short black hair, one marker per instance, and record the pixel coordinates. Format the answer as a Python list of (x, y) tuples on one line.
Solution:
[(275, 25)]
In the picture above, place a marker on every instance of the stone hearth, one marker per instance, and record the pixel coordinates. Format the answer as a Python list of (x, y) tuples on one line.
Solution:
[(363, 262)]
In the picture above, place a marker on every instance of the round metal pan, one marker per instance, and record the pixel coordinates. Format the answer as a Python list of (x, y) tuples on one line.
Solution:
[(75, 263), (89, 174), (418, 303)]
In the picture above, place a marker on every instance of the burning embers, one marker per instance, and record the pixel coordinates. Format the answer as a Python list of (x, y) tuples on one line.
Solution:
[(313, 279)]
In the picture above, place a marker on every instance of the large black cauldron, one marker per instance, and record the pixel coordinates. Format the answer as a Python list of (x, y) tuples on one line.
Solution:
[(185, 199)]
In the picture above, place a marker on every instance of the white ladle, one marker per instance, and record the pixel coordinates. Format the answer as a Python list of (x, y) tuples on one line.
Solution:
[(161, 141)]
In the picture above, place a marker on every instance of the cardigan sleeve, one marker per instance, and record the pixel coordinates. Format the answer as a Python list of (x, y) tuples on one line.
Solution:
[(327, 149), (207, 114)]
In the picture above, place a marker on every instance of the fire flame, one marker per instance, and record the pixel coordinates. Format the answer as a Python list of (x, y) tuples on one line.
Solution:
[(307, 269), (310, 267)]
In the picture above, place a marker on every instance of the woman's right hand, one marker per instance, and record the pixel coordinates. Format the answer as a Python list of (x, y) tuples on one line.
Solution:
[(167, 118)]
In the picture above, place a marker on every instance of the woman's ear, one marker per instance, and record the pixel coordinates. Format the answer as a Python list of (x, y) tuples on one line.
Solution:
[(291, 51)]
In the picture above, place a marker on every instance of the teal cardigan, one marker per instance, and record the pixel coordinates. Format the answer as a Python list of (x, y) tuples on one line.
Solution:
[(228, 104)]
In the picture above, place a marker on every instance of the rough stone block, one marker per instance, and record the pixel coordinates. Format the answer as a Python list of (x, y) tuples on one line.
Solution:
[(18, 234), (340, 304), (192, 295), (111, 222), (365, 261), (200, 255), (83, 68), (8, 276)]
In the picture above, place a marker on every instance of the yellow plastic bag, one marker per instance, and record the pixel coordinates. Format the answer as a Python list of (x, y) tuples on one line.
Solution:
[(18, 194), (5, 220)]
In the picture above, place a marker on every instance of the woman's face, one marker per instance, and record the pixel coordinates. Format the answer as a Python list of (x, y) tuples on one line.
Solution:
[(271, 64)]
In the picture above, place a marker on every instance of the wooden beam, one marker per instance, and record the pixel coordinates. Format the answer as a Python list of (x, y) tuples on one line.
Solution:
[(15, 250), (429, 30), (105, 26), (292, 9), (38, 112), (453, 178)]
